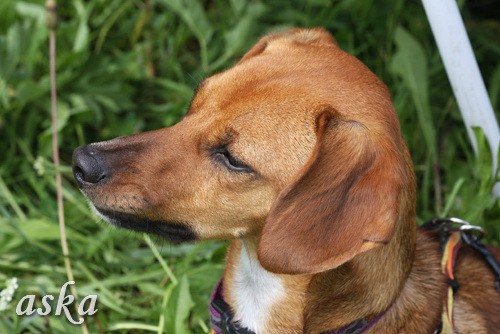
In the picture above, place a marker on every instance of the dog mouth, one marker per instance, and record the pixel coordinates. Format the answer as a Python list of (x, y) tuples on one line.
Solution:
[(175, 232)]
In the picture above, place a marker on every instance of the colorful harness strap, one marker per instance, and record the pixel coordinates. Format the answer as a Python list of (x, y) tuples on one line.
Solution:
[(450, 252), (453, 232)]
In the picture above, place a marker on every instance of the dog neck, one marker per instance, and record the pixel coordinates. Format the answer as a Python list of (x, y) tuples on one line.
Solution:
[(265, 302), (262, 301)]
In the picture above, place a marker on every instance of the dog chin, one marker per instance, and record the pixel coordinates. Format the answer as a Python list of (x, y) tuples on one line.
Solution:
[(174, 232)]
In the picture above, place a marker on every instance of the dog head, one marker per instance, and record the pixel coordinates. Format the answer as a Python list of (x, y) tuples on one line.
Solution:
[(297, 144)]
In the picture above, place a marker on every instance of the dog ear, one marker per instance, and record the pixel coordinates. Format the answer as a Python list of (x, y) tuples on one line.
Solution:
[(344, 202), (259, 47), (295, 35)]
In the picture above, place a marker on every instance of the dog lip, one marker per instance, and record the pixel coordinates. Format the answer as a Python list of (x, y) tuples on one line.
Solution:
[(175, 232)]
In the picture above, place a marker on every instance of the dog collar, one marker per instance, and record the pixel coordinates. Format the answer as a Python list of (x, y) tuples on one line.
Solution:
[(221, 318)]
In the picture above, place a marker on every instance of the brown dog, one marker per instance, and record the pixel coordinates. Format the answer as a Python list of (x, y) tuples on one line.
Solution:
[(295, 155)]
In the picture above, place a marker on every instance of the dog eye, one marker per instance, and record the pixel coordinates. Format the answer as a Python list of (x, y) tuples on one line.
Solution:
[(231, 162)]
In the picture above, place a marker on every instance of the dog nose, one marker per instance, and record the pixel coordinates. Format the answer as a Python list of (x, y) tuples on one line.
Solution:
[(87, 166)]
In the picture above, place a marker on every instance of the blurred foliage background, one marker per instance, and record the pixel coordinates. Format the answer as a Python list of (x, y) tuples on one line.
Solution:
[(127, 66)]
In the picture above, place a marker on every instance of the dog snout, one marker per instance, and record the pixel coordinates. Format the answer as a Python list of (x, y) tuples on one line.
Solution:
[(88, 167)]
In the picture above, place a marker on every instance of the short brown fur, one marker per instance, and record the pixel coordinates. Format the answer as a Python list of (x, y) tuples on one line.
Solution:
[(329, 206)]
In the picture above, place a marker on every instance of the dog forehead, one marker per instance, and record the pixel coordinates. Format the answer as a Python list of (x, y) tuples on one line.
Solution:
[(258, 105), (317, 74), (290, 80), (286, 65)]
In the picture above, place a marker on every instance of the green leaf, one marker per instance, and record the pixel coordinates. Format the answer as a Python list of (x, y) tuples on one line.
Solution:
[(236, 38), (184, 305), (494, 86), (484, 161), (8, 10), (81, 38), (82, 34), (193, 14), (410, 63), (40, 229), (31, 10), (179, 308)]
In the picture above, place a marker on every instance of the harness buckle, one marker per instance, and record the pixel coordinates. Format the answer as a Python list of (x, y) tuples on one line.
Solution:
[(470, 234)]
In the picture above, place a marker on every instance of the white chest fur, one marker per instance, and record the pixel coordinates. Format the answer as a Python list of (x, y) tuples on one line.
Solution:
[(255, 291)]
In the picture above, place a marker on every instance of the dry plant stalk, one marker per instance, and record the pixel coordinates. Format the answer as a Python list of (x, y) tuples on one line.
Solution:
[(51, 22)]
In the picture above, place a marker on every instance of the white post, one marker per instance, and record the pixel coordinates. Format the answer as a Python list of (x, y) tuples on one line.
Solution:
[(463, 73)]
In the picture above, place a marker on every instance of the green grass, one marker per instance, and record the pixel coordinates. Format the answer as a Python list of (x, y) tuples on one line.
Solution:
[(129, 66)]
